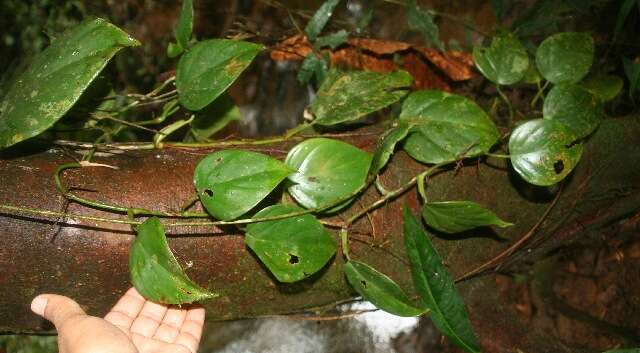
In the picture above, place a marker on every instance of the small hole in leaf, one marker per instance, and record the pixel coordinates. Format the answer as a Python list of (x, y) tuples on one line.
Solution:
[(364, 283), (293, 259), (558, 166), (208, 192)]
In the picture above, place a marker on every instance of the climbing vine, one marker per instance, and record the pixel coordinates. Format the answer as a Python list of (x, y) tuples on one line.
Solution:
[(320, 175)]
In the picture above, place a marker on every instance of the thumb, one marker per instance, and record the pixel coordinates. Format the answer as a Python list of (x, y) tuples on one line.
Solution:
[(56, 308)]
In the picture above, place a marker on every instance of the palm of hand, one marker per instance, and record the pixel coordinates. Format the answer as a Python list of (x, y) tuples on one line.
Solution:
[(153, 327)]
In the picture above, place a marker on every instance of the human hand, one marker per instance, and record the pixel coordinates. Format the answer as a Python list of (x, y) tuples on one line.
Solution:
[(134, 325)]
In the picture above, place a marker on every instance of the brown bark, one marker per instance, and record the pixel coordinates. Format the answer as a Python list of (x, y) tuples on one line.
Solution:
[(88, 261)]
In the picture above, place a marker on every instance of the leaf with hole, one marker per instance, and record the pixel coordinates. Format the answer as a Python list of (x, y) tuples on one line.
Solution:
[(504, 62), (156, 273), (56, 79), (380, 290), (565, 57), (447, 127), (436, 287), (329, 172), (348, 96), (320, 19), (209, 68), (606, 87), (574, 107), (459, 216), (543, 151), (232, 182), (386, 146), (292, 248)]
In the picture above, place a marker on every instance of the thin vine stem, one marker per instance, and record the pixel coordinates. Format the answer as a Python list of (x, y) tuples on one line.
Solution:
[(539, 95)]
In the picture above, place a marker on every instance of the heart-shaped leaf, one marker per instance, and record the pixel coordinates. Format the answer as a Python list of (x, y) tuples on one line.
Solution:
[(380, 290), (574, 107), (458, 216), (231, 182), (565, 57), (447, 127), (328, 172), (543, 151), (606, 87), (155, 272), (56, 79), (504, 62), (292, 248), (348, 96), (387, 145), (436, 287), (209, 68)]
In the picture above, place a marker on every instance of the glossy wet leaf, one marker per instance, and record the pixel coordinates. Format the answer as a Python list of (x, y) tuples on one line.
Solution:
[(209, 68), (56, 79), (328, 171), (573, 106), (458, 216), (504, 62), (292, 248), (184, 27), (215, 117), (436, 287), (386, 146), (155, 272), (423, 22), (446, 127), (380, 290), (320, 19), (348, 96), (606, 87), (565, 57), (231, 182), (543, 151)]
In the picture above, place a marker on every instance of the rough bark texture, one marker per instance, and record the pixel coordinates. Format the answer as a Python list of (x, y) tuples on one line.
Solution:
[(88, 261)]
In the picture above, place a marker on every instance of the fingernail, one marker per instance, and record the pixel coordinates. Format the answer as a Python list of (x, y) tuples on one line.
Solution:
[(38, 304)]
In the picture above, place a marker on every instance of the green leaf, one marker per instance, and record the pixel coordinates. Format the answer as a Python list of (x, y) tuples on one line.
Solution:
[(56, 79), (623, 13), (174, 50), (209, 68), (575, 107), (215, 117), (292, 248), (458, 216), (505, 62), (328, 171), (313, 65), (436, 287), (606, 87), (543, 151), (231, 182), (386, 146), (185, 24), (565, 57), (447, 127), (347, 96), (423, 22), (155, 272), (332, 40), (320, 19), (380, 290)]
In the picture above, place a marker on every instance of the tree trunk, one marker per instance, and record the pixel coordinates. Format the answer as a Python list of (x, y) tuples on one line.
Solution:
[(88, 261)]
